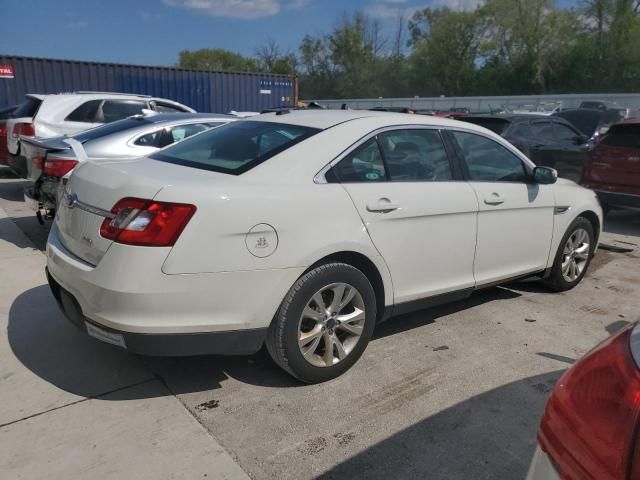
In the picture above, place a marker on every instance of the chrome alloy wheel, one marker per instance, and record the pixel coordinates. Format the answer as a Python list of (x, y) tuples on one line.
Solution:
[(331, 324), (575, 255)]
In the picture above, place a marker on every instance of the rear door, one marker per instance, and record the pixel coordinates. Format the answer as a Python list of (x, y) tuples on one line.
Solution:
[(419, 214), (515, 219)]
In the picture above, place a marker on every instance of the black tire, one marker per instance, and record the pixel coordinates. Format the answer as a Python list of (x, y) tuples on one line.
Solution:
[(282, 336), (556, 279)]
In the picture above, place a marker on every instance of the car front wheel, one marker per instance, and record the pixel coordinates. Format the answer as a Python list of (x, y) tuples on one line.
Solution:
[(573, 256), (324, 323)]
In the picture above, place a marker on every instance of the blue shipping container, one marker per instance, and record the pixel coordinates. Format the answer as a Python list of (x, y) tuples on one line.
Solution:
[(215, 92)]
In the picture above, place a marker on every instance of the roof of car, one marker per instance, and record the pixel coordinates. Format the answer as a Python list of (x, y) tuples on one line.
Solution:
[(511, 117), (178, 117), (324, 119)]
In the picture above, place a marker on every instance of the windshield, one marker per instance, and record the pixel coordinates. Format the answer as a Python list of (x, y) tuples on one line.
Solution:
[(236, 147), (109, 128)]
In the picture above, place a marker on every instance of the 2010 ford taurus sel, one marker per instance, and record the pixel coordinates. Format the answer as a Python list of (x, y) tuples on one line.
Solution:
[(303, 229)]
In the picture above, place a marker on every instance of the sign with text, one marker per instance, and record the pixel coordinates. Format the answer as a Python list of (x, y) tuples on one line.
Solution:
[(6, 71)]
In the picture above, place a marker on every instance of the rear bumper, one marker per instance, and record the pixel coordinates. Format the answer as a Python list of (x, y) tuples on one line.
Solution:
[(238, 342), (541, 467), (182, 314), (618, 199)]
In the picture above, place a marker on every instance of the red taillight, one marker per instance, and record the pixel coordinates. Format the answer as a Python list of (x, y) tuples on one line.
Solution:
[(25, 129), (147, 223), (590, 424), (54, 167)]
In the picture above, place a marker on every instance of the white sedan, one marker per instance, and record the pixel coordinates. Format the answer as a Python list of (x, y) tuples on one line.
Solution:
[(304, 229)]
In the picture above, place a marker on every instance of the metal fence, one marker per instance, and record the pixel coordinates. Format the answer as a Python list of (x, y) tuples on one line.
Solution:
[(216, 92), (487, 104)]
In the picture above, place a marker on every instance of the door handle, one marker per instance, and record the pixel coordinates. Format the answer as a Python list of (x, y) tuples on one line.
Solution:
[(382, 205), (494, 199)]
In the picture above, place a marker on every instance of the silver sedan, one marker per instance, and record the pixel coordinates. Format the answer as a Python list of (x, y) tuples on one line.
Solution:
[(49, 160)]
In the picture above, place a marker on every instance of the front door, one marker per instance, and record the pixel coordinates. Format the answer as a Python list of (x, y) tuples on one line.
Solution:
[(515, 219), (420, 217)]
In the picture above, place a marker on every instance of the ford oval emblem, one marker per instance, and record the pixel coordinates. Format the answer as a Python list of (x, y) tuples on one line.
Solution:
[(71, 199)]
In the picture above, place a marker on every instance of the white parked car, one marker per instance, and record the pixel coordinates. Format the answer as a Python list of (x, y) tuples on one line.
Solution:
[(304, 229), (48, 116)]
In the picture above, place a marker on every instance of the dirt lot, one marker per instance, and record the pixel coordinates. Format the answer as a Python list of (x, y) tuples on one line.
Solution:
[(447, 393)]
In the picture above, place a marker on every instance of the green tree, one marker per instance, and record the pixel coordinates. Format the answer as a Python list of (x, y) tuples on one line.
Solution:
[(216, 59), (445, 50)]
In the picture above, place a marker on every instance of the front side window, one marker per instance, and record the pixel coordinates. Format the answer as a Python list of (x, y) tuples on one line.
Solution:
[(364, 164), (543, 132), (236, 147), (113, 110), (488, 161), (415, 155)]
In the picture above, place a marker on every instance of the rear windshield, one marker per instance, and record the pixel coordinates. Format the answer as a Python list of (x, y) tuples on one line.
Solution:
[(27, 109), (236, 147), (109, 128), (496, 125), (623, 136)]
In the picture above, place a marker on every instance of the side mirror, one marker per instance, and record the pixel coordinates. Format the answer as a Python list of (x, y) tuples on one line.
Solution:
[(545, 175)]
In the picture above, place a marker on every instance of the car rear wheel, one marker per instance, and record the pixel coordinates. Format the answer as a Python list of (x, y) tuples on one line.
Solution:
[(573, 256), (324, 323)]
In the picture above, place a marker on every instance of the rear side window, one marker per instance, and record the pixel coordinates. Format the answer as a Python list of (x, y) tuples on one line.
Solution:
[(364, 164), (113, 110), (627, 136), (150, 139), (166, 108), (28, 109), (110, 128), (496, 125), (415, 156), (488, 161), (236, 147), (85, 112), (543, 131)]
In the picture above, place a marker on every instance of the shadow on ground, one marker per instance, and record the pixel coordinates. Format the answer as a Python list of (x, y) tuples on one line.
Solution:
[(623, 222), (62, 355), (489, 436)]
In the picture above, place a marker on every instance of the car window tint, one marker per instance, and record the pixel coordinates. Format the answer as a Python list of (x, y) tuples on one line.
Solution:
[(564, 134), (118, 109), (85, 112), (164, 108), (235, 147), (627, 136), (110, 128), (181, 132), (488, 161), (415, 155), (28, 108), (543, 131), (364, 164), (150, 139), (520, 129)]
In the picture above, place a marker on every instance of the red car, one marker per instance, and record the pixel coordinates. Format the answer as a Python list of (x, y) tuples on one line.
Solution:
[(5, 113), (590, 429), (613, 169)]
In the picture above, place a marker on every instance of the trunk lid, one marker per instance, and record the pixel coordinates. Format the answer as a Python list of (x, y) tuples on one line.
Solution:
[(95, 187), (40, 148)]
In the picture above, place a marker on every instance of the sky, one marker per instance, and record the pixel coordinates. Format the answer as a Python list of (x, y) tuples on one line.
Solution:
[(153, 32)]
